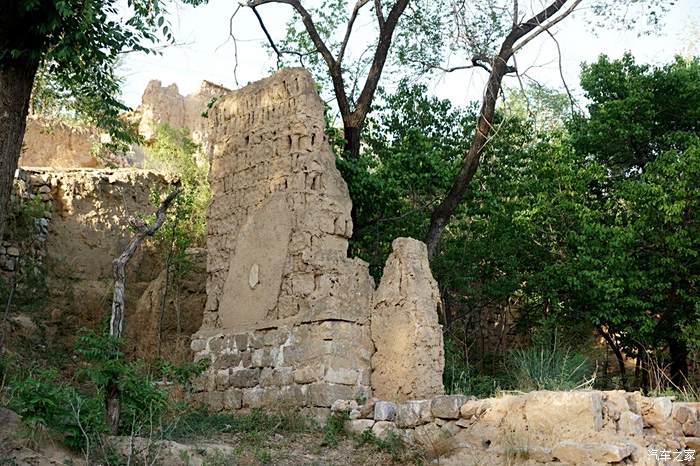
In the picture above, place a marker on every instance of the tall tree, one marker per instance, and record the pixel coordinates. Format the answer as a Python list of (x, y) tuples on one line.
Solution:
[(78, 43), (476, 37), (324, 38)]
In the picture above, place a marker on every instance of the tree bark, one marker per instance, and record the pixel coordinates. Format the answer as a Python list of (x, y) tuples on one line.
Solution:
[(444, 211), (618, 355), (679, 362), (115, 325), (16, 81), (352, 141), (499, 68)]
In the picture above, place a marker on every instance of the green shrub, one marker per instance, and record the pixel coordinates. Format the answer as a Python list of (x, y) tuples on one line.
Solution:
[(549, 367), (334, 428), (459, 377)]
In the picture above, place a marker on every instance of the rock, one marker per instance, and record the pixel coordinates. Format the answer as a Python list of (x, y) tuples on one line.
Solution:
[(413, 413), (343, 406), (585, 453), (321, 394), (233, 398), (409, 357), (13, 251), (383, 429), (244, 378), (577, 411), (358, 426), (683, 412), (473, 408), (657, 411), (384, 411), (447, 406), (341, 376), (630, 424)]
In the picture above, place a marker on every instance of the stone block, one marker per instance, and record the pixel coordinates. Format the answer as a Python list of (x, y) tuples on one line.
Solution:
[(233, 398), (222, 378), (657, 411), (215, 400), (683, 412), (198, 344), (323, 394), (244, 378), (474, 408), (276, 377), (384, 411), (413, 413), (227, 361), (344, 406), (586, 453), (341, 376), (241, 341), (630, 424), (447, 406), (358, 426), (308, 374), (383, 429), (577, 411)]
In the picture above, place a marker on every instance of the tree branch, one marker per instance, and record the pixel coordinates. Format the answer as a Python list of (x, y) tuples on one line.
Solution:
[(351, 22), (540, 18), (380, 14)]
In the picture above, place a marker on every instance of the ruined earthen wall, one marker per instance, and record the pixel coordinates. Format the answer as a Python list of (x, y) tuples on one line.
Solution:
[(287, 315), (57, 144)]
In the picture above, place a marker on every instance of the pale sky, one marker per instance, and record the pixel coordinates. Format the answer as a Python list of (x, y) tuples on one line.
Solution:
[(205, 53)]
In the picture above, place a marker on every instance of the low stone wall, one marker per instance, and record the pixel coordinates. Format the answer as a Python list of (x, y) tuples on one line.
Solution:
[(307, 366), (29, 186), (579, 427)]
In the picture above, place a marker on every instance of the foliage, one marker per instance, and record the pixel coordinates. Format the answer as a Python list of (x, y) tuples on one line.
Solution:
[(77, 44), (414, 144), (75, 407), (459, 377), (334, 429), (173, 153), (549, 368)]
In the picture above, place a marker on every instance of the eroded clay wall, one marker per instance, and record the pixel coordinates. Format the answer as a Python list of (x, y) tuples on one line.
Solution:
[(57, 144), (287, 315)]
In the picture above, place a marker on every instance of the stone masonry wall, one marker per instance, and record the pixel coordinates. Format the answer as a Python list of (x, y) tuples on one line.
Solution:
[(287, 314), (575, 428)]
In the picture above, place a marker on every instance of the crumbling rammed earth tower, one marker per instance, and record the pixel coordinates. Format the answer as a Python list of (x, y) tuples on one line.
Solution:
[(287, 316)]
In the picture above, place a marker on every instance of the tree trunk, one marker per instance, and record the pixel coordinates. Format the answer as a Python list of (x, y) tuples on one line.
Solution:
[(115, 324), (16, 81), (618, 355), (352, 141), (444, 211), (679, 362)]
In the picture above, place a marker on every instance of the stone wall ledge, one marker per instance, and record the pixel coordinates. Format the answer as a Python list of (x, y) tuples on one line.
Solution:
[(569, 427)]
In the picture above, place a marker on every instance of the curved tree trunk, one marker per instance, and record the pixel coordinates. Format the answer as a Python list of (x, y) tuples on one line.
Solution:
[(16, 82)]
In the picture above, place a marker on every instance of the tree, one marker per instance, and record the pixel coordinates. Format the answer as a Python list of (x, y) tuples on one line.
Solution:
[(476, 34), (322, 39), (78, 44)]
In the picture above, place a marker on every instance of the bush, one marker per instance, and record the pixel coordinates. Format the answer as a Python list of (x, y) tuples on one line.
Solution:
[(549, 367)]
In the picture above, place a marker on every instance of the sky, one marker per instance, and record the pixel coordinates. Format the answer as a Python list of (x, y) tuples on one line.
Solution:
[(205, 51)]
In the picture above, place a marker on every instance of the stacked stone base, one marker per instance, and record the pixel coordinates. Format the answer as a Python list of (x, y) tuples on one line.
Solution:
[(585, 427), (307, 365)]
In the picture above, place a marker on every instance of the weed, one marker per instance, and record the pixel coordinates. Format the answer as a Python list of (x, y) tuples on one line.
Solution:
[(334, 428)]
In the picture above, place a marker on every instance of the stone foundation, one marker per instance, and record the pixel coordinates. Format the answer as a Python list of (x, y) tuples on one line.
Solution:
[(578, 428)]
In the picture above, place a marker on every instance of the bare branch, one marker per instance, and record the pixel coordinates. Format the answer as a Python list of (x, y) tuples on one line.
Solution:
[(572, 102), (351, 22), (380, 14), (542, 17)]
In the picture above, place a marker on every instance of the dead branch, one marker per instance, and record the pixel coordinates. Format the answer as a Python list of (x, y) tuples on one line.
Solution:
[(119, 267)]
